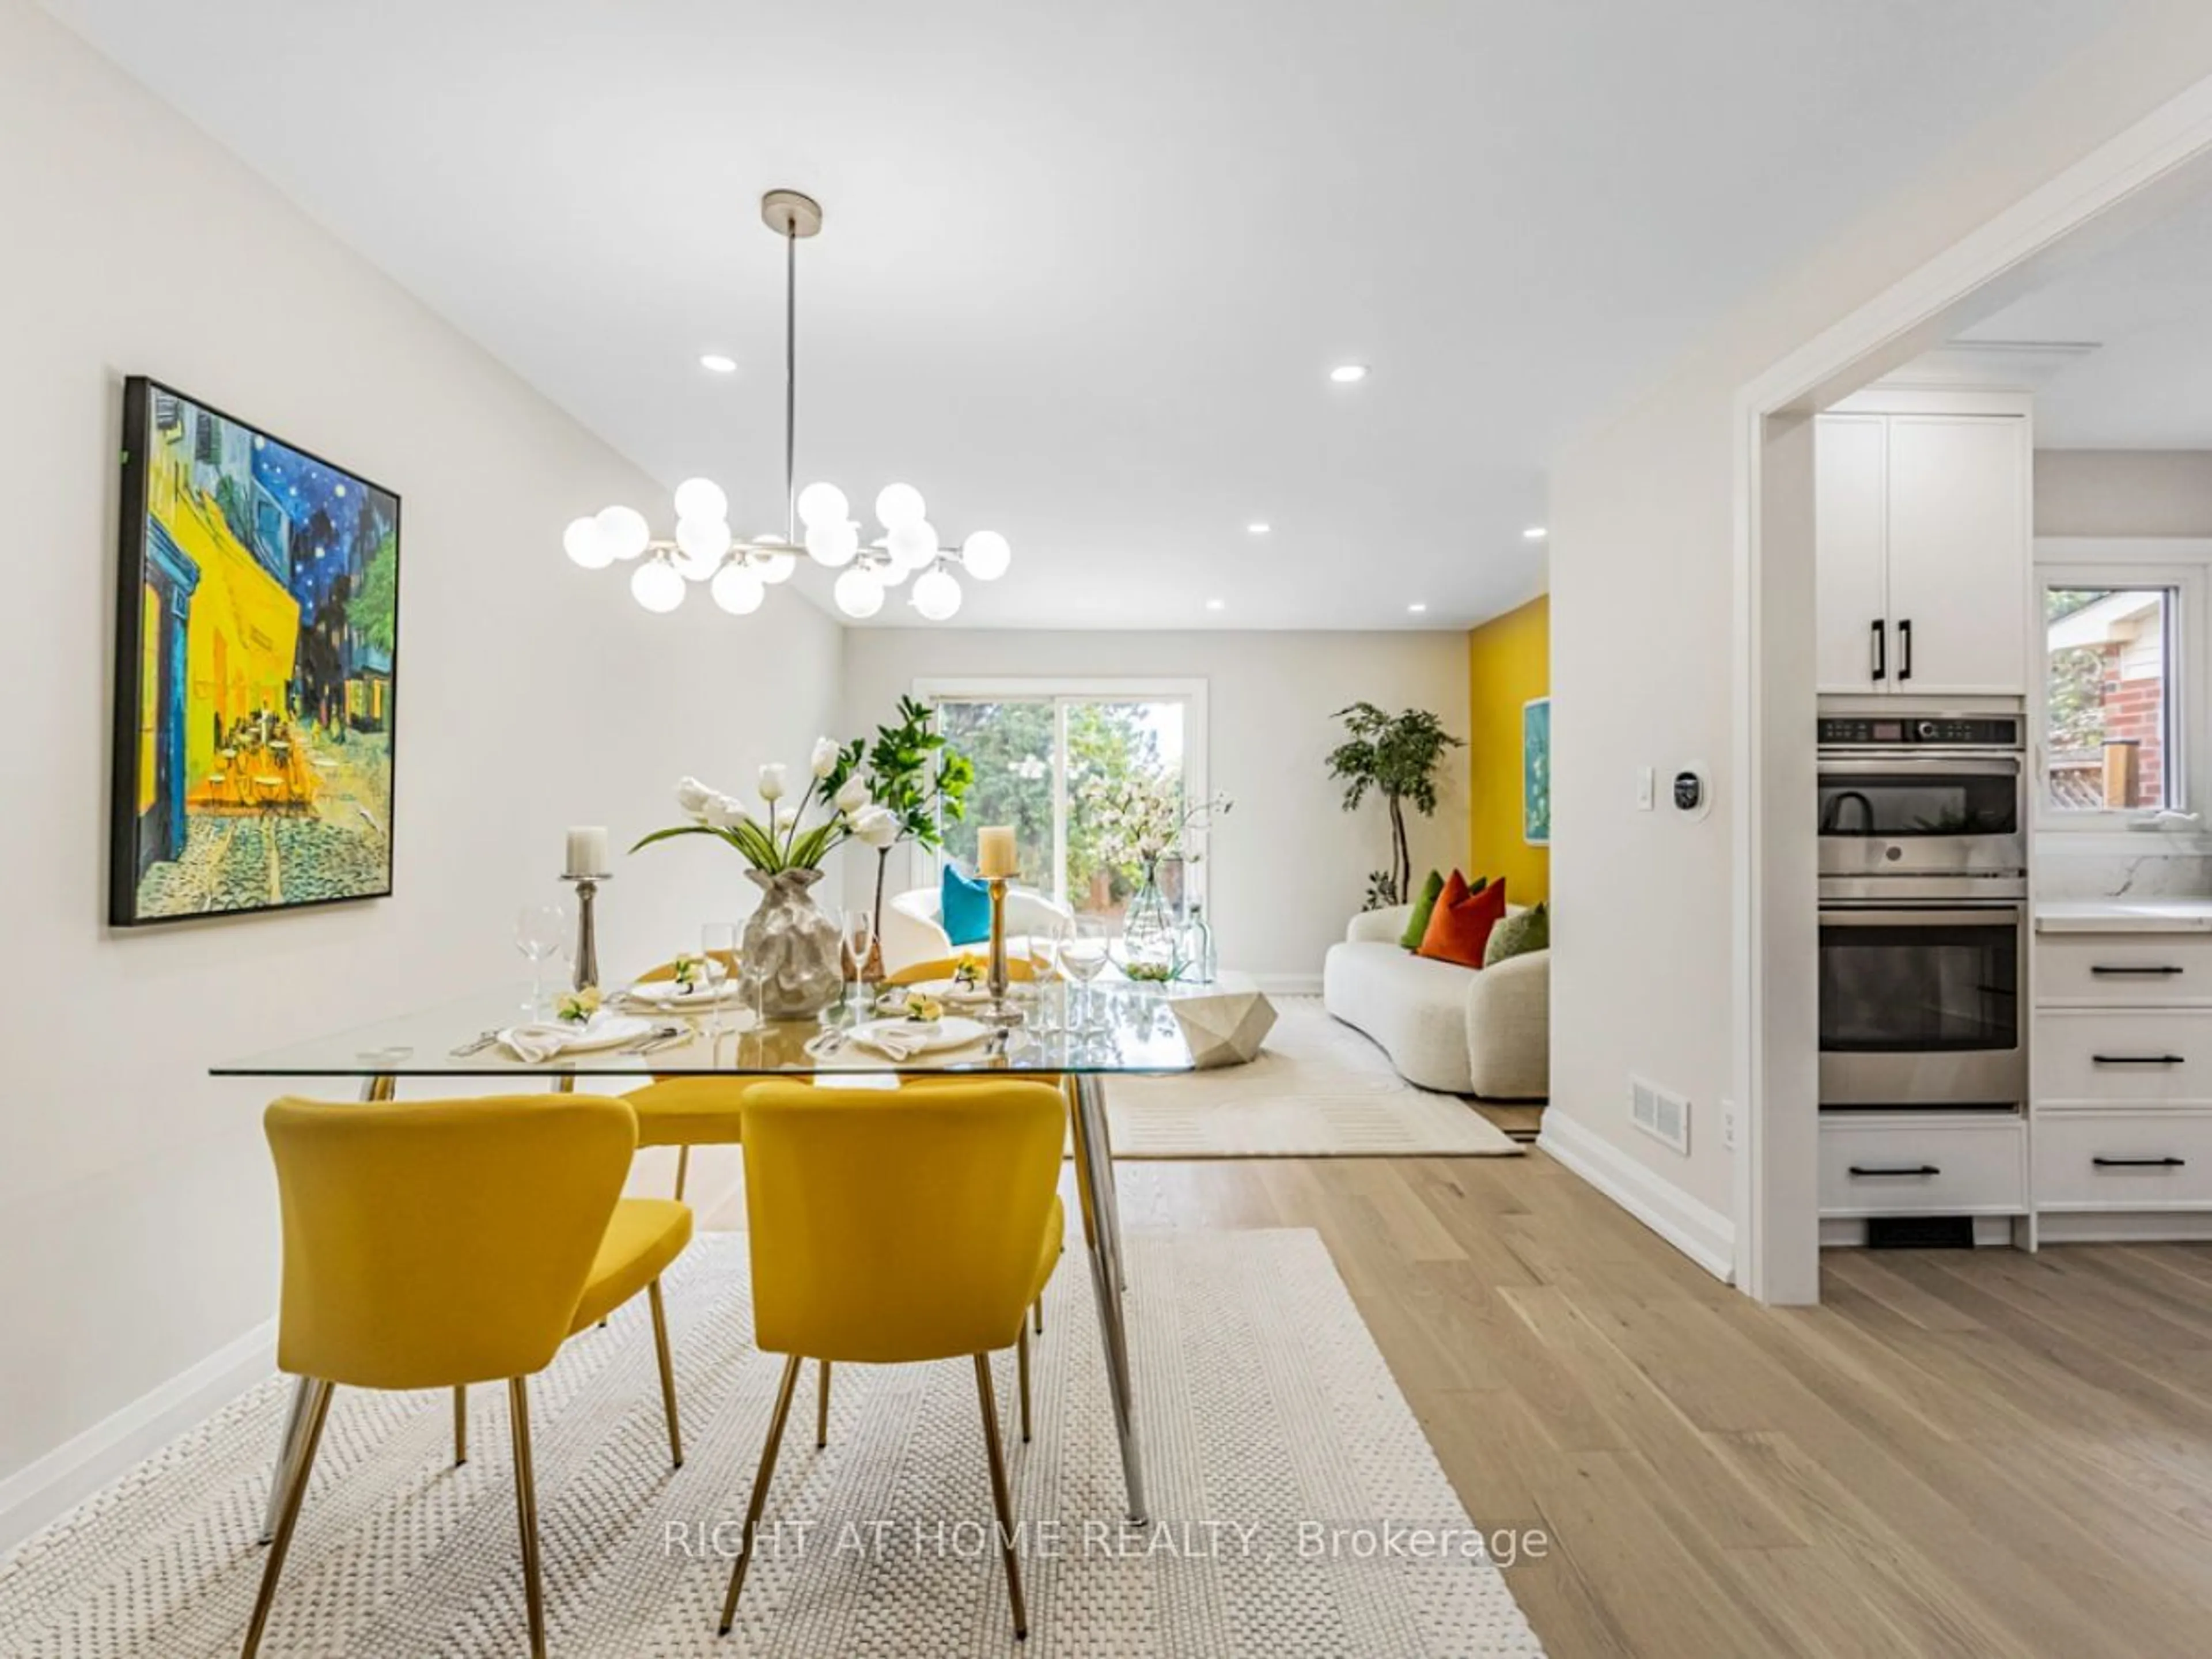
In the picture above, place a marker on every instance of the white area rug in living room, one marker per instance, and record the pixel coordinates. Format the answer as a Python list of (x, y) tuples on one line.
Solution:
[(1276, 1442), (1318, 1090)]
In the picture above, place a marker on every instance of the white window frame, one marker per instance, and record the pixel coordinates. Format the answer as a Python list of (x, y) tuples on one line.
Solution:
[(1061, 692), (2183, 565)]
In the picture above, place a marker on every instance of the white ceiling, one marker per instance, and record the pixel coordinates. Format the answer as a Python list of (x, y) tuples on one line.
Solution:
[(2146, 304), (1084, 269)]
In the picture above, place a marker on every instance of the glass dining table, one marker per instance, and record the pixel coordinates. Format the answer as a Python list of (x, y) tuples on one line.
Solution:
[(1121, 1030)]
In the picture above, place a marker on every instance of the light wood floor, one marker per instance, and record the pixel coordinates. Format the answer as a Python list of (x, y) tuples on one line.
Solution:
[(1959, 1454)]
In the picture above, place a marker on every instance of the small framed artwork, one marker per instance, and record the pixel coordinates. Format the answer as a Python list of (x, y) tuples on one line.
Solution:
[(256, 671), (1536, 772)]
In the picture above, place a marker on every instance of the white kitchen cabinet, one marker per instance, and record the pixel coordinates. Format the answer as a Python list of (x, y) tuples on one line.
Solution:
[(1923, 547)]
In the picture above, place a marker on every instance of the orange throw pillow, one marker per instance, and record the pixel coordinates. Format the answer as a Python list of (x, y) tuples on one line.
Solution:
[(1459, 927)]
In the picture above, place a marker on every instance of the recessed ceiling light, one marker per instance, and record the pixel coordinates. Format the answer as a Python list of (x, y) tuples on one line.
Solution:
[(1215, 604), (1259, 527), (1535, 532), (717, 363), (1345, 374), (1417, 607)]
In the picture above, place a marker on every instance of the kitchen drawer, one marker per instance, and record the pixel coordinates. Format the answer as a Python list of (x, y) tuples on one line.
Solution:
[(2122, 1057), (2124, 970), (2121, 1160), (1897, 1163)]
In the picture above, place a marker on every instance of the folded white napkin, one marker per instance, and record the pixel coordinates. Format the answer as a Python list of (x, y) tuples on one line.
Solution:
[(894, 1041), (542, 1039)]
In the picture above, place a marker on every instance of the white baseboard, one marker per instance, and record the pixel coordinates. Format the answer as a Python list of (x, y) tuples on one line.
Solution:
[(1699, 1231), (44, 1491), (1289, 985)]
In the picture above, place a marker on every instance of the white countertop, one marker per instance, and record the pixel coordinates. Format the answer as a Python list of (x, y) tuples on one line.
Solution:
[(2123, 916)]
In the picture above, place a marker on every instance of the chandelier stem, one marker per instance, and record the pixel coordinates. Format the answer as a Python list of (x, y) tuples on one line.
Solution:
[(790, 385)]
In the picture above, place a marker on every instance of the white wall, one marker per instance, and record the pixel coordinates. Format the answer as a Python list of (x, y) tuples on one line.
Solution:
[(1645, 647), (140, 1234), (1289, 865), (2123, 492)]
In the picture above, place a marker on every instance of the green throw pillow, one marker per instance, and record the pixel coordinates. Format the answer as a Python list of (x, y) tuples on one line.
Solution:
[(1517, 935), (1424, 905)]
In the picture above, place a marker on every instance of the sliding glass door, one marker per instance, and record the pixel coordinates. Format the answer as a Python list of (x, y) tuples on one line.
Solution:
[(1071, 767)]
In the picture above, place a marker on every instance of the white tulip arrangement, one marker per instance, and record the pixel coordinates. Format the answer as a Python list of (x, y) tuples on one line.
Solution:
[(779, 838)]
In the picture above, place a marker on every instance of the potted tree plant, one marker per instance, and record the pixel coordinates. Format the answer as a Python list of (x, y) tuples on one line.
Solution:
[(919, 780), (1396, 755)]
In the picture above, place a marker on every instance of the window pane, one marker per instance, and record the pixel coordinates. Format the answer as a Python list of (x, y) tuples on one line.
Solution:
[(1125, 770), (1012, 745), (2109, 695)]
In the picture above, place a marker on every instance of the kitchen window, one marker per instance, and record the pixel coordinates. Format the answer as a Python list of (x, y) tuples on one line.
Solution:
[(2122, 655), (1044, 749)]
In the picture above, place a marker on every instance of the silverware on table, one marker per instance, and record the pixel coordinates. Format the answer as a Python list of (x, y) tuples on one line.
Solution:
[(477, 1044), (651, 1039), (675, 1039)]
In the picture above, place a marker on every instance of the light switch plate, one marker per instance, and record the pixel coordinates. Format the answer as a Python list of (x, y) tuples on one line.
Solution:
[(1643, 788)]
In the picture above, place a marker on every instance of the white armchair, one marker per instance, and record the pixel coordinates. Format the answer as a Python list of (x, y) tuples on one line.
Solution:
[(914, 925)]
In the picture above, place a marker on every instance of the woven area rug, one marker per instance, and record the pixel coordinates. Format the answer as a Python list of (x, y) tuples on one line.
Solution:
[(1280, 1449), (1319, 1089)]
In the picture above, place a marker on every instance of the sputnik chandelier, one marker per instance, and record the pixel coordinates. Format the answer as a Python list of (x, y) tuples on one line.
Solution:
[(739, 573)]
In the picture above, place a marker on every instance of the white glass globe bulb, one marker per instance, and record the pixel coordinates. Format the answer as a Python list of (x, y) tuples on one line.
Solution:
[(657, 586), (738, 590), (891, 571), (626, 531), (858, 593), (583, 542), (899, 504), (936, 595), (773, 568), (986, 555), (833, 544), (703, 538), (702, 499), (913, 544), (823, 503)]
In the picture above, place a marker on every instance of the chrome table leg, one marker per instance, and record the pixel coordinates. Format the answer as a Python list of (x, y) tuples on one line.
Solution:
[(1102, 1233)]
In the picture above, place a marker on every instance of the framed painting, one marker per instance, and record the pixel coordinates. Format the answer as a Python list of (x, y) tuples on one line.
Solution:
[(257, 656), (1536, 772)]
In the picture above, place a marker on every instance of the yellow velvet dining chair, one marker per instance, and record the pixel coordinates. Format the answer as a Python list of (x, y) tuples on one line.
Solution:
[(432, 1244), (890, 1227), (684, 1111)]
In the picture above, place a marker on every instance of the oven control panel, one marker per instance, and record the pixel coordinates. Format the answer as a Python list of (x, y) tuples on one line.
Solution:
[(1906, 730)]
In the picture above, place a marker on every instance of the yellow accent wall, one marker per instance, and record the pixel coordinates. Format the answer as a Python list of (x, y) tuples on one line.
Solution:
[(1509, 661)]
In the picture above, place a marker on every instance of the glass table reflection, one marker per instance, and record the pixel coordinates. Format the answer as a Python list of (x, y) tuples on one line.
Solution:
[(1125, 1030)]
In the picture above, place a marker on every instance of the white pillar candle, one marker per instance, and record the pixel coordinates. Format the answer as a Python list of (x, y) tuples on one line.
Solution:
[(995, 851), (587, 852)]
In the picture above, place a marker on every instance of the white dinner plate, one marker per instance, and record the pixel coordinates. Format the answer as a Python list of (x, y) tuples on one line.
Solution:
[(666, 993), (953, 1031), (944, 990), (607, 1030)]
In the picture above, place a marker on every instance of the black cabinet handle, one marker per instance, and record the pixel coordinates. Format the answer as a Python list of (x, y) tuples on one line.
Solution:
[(1895, 1170), (2139, 1162), (1880, 649), (2136, 1059), (1905, 650), (2100, 967)]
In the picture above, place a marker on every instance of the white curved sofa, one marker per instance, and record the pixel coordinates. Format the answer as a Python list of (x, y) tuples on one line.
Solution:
[(914, 925), (1462, 1030)]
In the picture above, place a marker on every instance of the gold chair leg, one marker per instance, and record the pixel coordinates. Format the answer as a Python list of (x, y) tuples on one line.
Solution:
[(1000, 1501), (460, 1424), (318, 1407), (822, 1408), (667, 1371), (683, 1168), (1039, 1314), (1022, 1370), (759, 1499), (525, 1509)]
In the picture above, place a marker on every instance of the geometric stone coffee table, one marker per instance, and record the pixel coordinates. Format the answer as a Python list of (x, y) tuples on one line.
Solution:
[(1225, 1022)]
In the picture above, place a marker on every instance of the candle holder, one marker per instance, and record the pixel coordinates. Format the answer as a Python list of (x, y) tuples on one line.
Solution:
[(588, 937), (1001, 1009)]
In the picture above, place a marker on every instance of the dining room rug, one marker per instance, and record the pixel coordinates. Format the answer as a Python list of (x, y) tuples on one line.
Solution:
[(1318, 1089), (1283, 1459)]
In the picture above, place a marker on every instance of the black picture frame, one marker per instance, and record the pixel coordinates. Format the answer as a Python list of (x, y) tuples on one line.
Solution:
[(265, 770)]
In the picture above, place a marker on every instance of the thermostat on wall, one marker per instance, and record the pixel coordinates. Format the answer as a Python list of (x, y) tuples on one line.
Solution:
[(1692, 794)]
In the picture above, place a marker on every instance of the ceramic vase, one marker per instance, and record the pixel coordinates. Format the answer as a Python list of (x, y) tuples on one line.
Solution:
[(794, 950)]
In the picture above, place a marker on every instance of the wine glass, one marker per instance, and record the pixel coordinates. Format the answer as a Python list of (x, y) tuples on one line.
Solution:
[(718, 942), (1044, 942), (540, 931), (860, 945), (1083, 956)]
